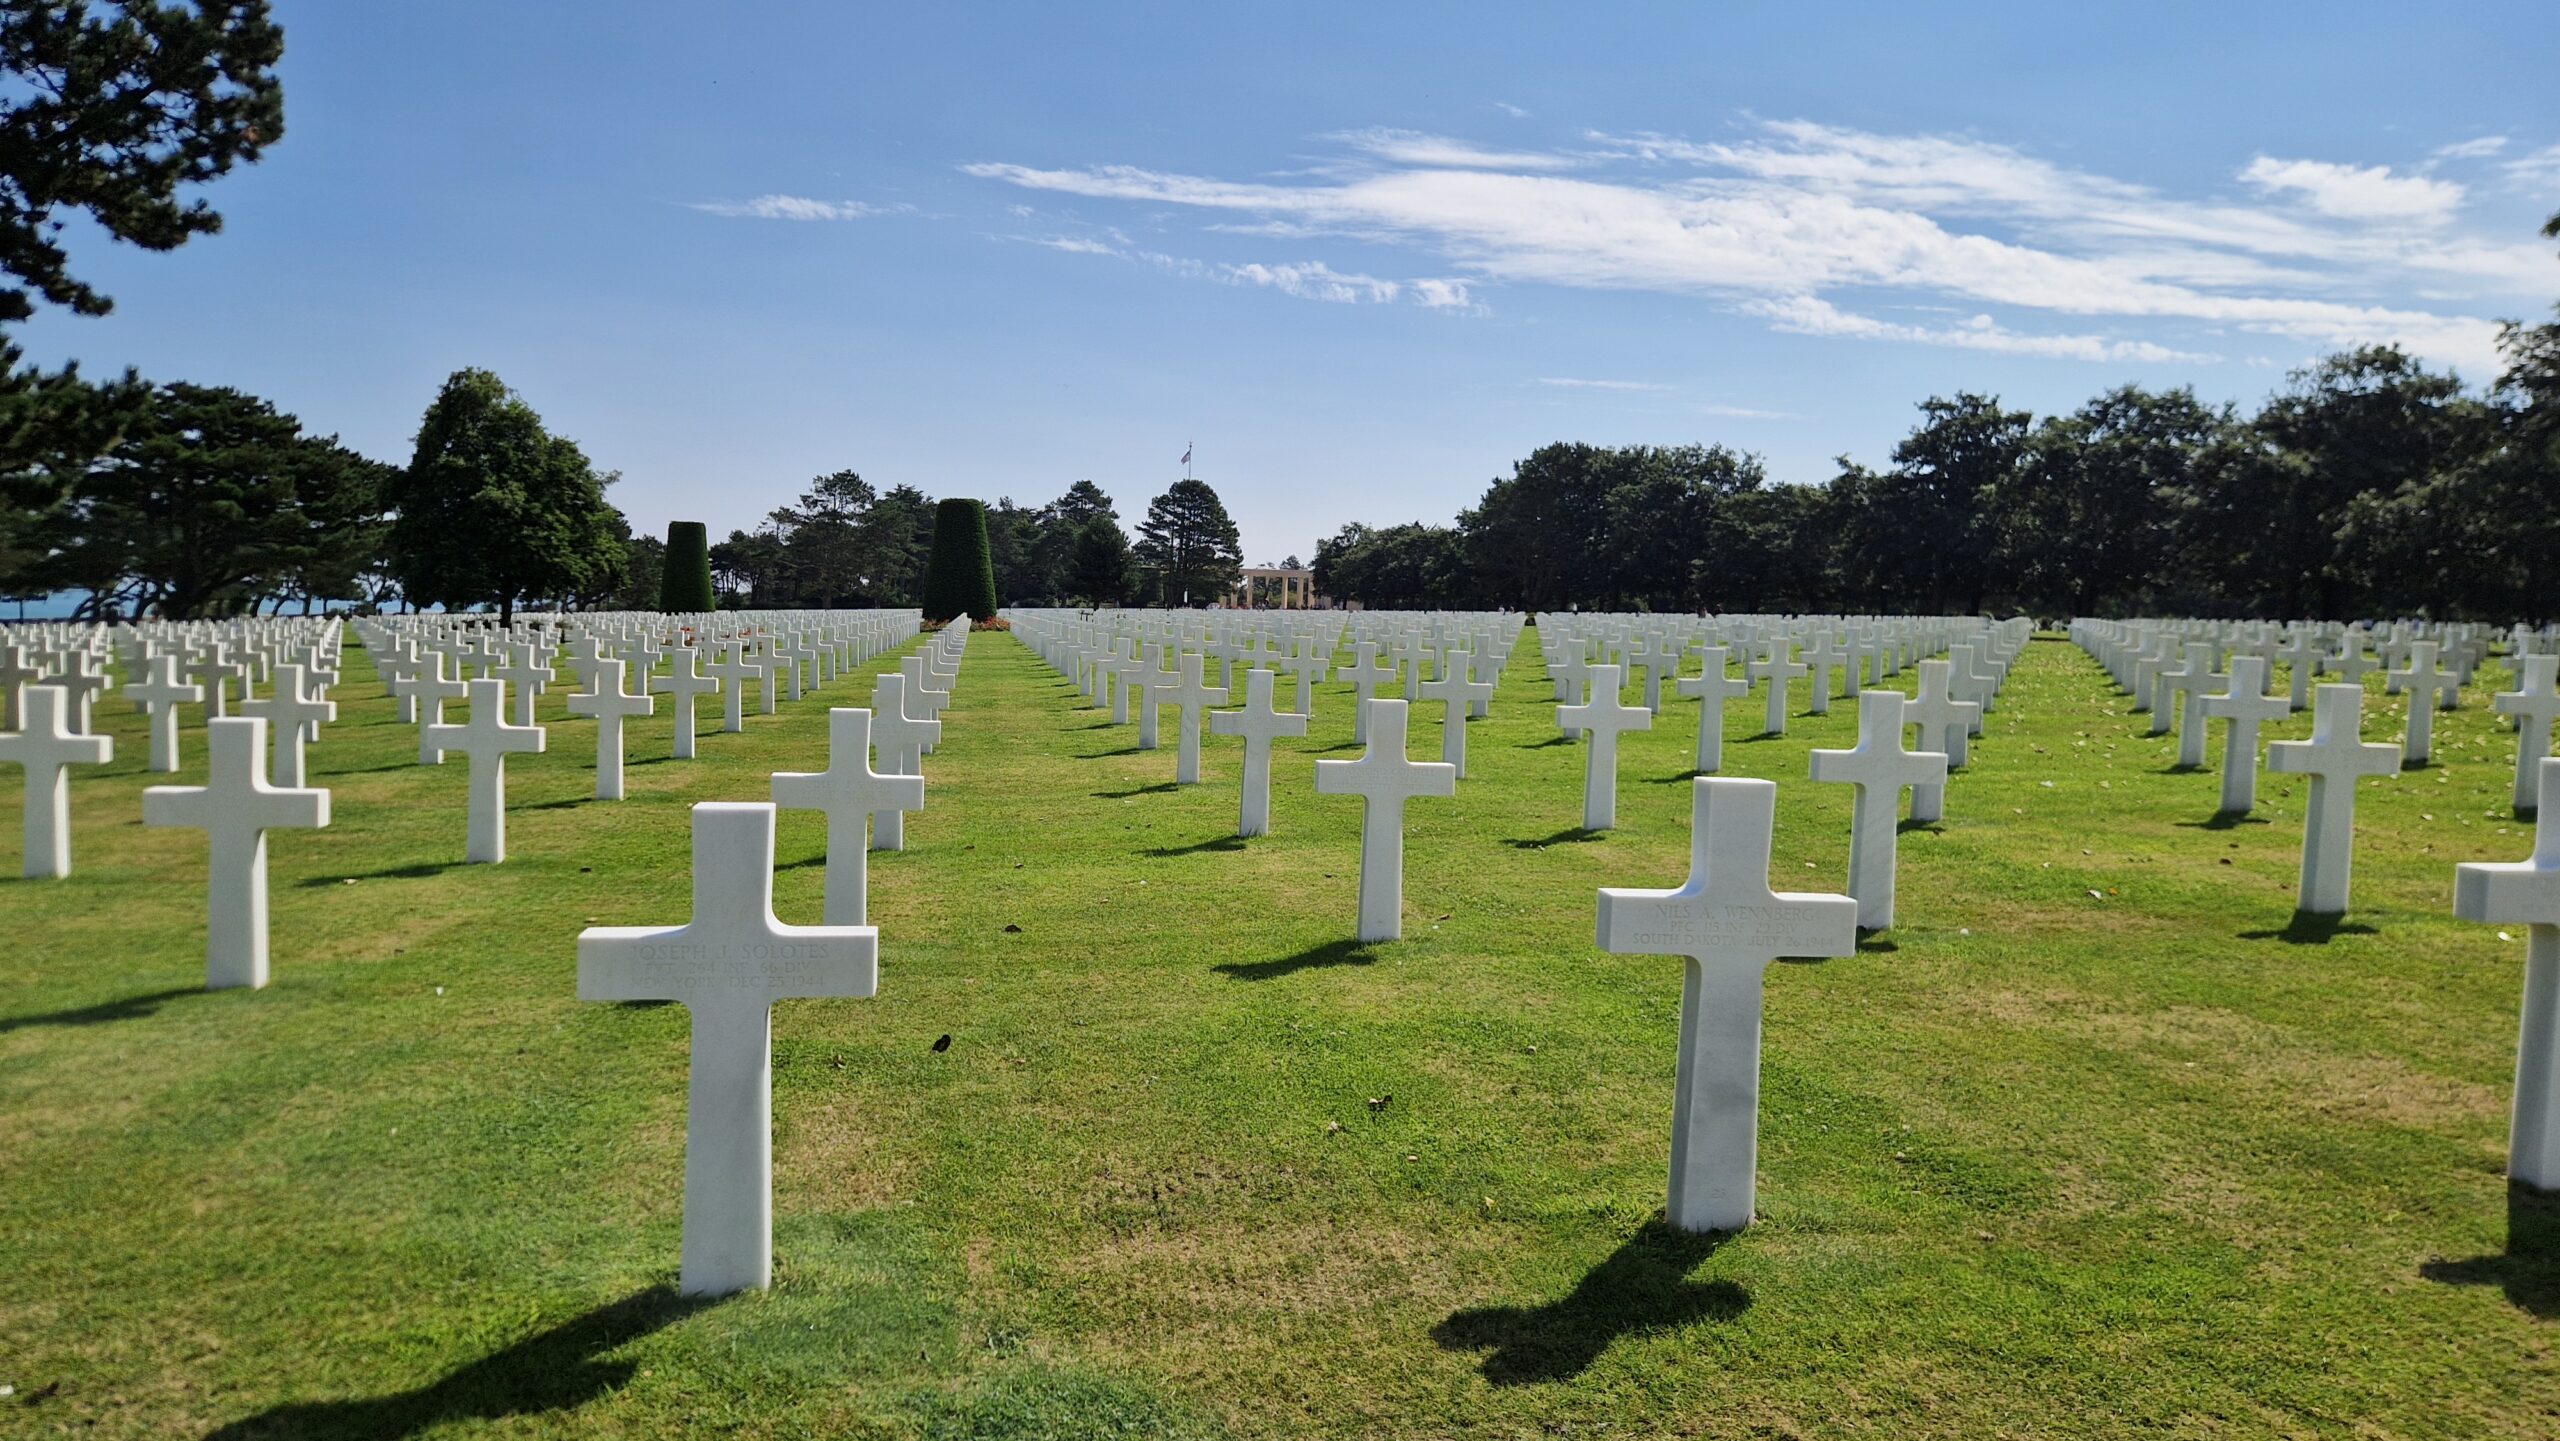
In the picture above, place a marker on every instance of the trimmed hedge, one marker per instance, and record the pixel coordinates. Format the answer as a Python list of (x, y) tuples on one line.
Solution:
[(684, 587), (960, 578)]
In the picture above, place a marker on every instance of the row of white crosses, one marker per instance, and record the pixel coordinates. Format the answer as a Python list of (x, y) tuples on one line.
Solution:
[(733, 959), (2335, 755)]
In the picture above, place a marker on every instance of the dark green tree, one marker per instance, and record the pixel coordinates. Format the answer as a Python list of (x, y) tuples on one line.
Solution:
[(684, 584), (1099, 568), (1190, 542), (113, 107), (2086, 520), (211, 502), (961, 579), (494, 509), (1397, 567)]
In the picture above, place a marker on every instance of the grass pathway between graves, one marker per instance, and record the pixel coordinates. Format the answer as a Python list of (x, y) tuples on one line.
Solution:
[(2039, 1162)]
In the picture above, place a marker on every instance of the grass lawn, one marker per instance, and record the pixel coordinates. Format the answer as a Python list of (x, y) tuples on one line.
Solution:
[(2095, 1143)]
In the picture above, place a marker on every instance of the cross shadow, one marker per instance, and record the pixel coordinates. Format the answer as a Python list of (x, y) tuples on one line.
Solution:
[(1681, 779), (416, 871), (1344, 746), (1571, 835), (2410, 768), (1874, 943), (1099, 755), (1761, 739), (803, 863), (127, 1008), (1100, 725), (2179, 770), (1909, 824), (555, 1370), (2529, 1269), (1544, 744), (1331, 953), (1158, 788), (1217, 843), (653, 761), (1642, 1286), (2306, 929), (2226, 821), (361, 770), (570, 803)]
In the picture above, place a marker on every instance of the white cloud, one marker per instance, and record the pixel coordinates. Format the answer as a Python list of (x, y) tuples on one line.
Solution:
[(2485, 145), (794, 207), (1507, 108), (2538, 172), (1741, 412), (1784, 222), (1313, 280), (1434, 152), (1443, 294), (1305, 280), (2349, 192)]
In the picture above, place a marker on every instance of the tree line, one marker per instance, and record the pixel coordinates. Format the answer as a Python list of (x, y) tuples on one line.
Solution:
[(2369, 485)]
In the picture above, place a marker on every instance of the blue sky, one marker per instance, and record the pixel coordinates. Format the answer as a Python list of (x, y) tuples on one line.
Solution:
[(1362, 257)]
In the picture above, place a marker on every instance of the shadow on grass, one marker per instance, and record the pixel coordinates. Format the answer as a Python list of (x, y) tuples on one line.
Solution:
[(2410, 768), (555, 1370), (129, 1008), (1344, 746), (2529, 1269), (1875, 943), (1544, 744), (362, 770), (1680, 779), (1643, 1286), (2226, 821), (1158, 788), (2306, 929), (1909, 824), (415, 871), (1760, 739), (1571, 835), (560, 805), (1102, 755), (1331, 953), (1215, 843)]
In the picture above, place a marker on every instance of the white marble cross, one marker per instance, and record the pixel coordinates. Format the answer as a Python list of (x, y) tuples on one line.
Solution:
[(1601, 719), (1457, 695), (525, 671), (82, 678), (1774, 667), (2333, 758), (685, 680), (1364, 675), (1878, 767), (158, 698), (1730, 926), (431, 687), (16, 674), (727, 966), (2534, 704), (291, 708), (2423, 679), (1259, 724), (46, 746), (486, 740), (1309, 667), (2527, 893), (2194, 681), (2242, 706), (235, 808), (1946, 726), (2301, 655), (1711, 688), (610, 705), (902, 741), (735, 669), (1385, 780), (1192, 699), (849, 792)]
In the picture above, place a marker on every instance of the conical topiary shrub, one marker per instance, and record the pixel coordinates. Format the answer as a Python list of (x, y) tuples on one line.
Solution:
[(684, 587), (960, 578)]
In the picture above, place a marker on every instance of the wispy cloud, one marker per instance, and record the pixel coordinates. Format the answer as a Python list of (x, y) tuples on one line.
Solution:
[(2350, 192), (1410, 147), (1507, 108), (1570, 383), (1304, 280), (2473, 149), (794, 207), (1808, 226), (2538, 172)]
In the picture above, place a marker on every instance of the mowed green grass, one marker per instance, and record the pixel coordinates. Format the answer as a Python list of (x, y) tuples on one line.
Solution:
[(2038, 1162)]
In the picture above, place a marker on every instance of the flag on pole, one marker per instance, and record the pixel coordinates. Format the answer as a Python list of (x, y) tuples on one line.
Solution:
[(1186, 455)]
